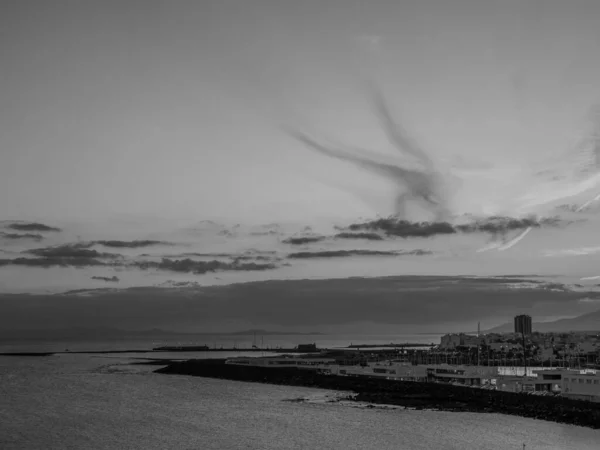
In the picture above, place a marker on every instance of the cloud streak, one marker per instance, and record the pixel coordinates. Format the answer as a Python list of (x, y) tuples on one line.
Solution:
[(367, 236), (77, 250), (200, 267), (130, 244), (113, 279), (348, 253), (17, 236), (416, 177), (32, 226)]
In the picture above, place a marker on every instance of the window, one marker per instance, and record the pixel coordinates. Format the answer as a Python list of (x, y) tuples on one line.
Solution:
[(596, 381), (551, 377), (588, 381)]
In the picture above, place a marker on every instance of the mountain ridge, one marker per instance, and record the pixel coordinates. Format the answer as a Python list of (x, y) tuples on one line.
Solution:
[(585, 322)]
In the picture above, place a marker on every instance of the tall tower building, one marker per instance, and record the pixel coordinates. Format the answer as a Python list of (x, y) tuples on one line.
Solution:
[(523, 324)]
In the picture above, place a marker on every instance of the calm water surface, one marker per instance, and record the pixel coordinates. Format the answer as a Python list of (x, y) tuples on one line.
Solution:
[(216, 341), (99, 402)]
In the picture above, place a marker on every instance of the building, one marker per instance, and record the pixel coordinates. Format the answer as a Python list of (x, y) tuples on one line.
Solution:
[(504, 346), (467, 375), (451, 341), (280, 361), (542, 381), (390, 371), (307, 348), (581, 385), (549, 380), (523, 324)]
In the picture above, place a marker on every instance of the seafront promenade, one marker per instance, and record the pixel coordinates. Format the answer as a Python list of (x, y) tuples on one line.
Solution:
[(410, 394)]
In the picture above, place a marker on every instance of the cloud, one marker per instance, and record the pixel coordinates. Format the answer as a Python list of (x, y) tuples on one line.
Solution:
[(53, 262), (130, 244), (77, 250), (393, 226), (197, 254), (113, 279), (199, 267), (414, 173), (31, 226), (497, 224), (368, 236), (16, 236), (254, 258), (347, 253), (303, 240), (81, 254)]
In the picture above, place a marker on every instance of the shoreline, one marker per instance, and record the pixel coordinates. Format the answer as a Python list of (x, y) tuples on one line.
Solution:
[(411, 395)]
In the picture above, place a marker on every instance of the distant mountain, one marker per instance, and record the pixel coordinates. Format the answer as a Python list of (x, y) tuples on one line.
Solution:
[(585, 322)]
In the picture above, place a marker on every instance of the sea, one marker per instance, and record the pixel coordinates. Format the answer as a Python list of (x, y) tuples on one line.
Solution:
[(106, 401), (216, 341)]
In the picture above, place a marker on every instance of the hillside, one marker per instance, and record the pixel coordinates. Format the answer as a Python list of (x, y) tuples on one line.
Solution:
[(585, 322)]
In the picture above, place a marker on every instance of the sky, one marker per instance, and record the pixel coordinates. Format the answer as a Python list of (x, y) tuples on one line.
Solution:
[(126, 125), (174, 109)]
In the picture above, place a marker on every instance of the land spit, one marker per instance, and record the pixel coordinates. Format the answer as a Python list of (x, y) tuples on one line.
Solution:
[(419, 395)]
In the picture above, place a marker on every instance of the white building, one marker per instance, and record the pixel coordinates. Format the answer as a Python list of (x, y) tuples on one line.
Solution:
[(581, 385), (468, 375), (390, 371)]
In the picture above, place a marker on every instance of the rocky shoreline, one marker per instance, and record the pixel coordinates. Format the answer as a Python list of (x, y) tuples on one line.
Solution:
[(441, 397)]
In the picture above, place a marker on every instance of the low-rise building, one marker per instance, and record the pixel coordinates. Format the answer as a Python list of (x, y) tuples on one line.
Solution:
[(468, 375), (576, 384), (587, 347), (516, 383), (452, 341), (548, 380), (280, 361), (393, 371), (581, 385)]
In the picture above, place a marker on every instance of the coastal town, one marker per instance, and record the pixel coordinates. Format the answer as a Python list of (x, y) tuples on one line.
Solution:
[(524, 361)]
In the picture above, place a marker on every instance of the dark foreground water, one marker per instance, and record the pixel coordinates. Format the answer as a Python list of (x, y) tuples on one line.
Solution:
[(101, 402)]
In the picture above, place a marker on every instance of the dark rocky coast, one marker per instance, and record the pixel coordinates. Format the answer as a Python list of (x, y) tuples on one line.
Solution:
[(436, 396)]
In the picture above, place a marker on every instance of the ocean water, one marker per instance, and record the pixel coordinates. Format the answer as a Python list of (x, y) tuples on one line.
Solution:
[(100, 402), (214, 341)]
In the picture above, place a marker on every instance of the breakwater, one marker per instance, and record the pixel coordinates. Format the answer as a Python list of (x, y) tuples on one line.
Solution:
[(443, 397), (204, 348)]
